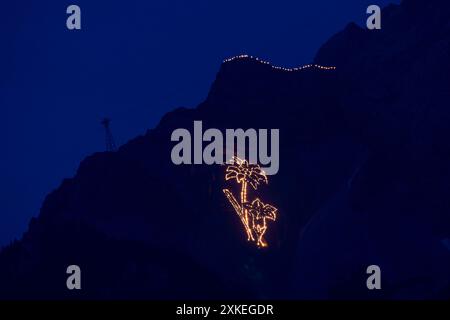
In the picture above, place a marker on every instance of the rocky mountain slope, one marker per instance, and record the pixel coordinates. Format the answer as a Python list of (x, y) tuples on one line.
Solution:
[(364, 179)]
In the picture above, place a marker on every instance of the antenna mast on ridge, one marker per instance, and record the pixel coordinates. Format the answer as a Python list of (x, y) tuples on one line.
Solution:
[(109, 140)]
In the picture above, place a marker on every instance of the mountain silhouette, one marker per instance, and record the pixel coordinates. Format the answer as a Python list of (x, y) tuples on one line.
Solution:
[(363, 180)]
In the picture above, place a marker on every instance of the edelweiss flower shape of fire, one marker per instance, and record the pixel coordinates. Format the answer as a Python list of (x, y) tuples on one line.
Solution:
[(259, 210), (259, 213), (253, 214)]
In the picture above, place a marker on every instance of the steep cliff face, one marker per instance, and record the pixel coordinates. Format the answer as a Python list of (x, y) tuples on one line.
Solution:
[(394, 92), (397, 77), (363, 180)]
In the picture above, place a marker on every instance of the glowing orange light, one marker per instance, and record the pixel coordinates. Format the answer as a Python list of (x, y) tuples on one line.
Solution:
[(246, 56), (254, 214)]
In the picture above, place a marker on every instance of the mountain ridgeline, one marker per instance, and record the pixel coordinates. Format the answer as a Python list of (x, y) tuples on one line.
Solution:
[(364, 179)]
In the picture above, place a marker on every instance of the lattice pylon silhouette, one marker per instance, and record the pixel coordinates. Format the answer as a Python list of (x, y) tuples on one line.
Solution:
[(109, 139)]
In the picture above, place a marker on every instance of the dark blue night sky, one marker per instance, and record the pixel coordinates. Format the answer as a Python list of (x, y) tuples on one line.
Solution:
[(132, 61)]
